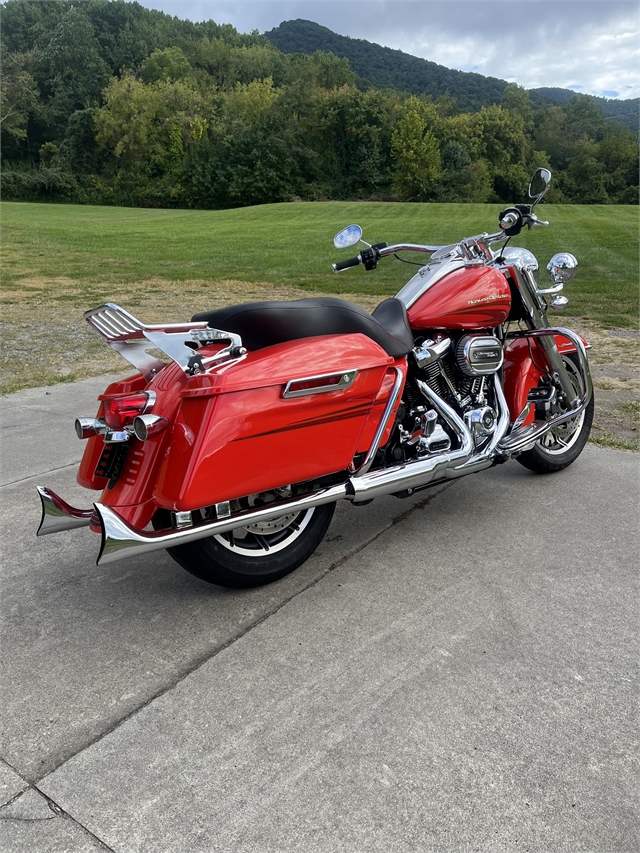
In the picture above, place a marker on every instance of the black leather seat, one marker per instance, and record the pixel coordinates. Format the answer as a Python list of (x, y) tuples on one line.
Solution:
[(262, 324)]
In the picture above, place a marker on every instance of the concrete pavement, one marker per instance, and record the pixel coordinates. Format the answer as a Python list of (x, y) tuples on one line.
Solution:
[(452, 674)]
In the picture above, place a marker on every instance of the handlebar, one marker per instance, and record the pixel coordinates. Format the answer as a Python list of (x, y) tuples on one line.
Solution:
[(470, 248), (344, 265)]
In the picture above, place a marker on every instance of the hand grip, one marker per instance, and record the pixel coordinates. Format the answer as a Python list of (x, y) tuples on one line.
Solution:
[(344, 265)]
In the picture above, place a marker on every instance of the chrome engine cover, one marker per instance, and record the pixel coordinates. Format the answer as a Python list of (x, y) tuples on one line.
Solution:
[(479, 355), (481, 423)]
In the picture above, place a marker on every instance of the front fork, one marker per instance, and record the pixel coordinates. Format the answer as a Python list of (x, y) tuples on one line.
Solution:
[(539, 327)]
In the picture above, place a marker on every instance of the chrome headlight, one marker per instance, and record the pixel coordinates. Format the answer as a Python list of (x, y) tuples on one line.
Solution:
[(562, 267), (526, 258)]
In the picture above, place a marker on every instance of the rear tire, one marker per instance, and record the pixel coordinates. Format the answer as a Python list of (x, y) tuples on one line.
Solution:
[(256, 555), (558, 448)]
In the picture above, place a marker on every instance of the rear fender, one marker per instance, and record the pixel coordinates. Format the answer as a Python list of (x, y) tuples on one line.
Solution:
[(94, 446), (132, 494)]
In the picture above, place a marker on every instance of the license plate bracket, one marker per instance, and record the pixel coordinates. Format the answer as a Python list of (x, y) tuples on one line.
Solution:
[(112, 461)]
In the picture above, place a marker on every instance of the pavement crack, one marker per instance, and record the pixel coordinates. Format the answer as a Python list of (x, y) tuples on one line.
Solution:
[(250, 626), (40, 474), (37, 807)]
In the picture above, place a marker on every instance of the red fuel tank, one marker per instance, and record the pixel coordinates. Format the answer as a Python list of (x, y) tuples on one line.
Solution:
[(468, 298)]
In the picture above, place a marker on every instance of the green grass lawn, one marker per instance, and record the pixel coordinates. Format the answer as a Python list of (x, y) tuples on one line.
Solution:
[(291, 244)]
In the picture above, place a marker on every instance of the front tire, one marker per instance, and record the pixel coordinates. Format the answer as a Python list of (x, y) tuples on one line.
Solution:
[(561, 446), (257, 554)]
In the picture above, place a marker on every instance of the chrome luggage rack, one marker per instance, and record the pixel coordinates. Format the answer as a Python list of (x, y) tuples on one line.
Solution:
[(133, 339)]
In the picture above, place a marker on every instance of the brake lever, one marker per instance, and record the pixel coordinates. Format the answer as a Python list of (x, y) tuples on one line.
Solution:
[(532, 220)]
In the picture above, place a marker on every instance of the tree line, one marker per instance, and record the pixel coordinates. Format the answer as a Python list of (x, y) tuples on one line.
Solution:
[(110, 103)]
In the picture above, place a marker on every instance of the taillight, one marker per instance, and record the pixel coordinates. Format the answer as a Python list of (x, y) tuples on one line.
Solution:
[(122, 409)]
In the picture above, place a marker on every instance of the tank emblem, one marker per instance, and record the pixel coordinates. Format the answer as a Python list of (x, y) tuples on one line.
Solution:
[(486, 299)]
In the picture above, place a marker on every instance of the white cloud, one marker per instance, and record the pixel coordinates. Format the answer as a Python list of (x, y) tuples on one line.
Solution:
[(587, 45)]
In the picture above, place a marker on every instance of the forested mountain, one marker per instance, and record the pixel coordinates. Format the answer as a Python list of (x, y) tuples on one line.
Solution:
[(625, 111), (107, 102), (384, 67)]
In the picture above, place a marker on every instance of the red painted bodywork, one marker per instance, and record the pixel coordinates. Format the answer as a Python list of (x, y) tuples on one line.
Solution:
[(524, 365), (469, 298), (234, 434)]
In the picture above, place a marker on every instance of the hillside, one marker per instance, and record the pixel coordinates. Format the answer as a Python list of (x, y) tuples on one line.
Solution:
[(384, 67), (387, 68)]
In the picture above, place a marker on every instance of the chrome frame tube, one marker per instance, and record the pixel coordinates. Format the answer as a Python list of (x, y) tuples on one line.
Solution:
[(58, 515), (393, 399)]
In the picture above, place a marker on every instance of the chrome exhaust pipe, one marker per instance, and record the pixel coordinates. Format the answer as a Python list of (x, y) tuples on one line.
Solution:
[(120, 539), (486, 457), (416, 474), (58, 515)]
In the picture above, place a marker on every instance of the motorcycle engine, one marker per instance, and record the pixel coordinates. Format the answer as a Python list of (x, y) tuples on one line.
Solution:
[(462, 377)]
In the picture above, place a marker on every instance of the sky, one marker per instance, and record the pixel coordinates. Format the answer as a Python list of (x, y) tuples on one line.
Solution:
[(589, 46)]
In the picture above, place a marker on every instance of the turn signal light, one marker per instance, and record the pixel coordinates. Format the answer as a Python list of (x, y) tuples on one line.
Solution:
[(121, 410)]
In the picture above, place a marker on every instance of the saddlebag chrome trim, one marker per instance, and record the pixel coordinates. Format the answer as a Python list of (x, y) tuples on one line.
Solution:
[(58, 515), (382, 426), (343, 379)]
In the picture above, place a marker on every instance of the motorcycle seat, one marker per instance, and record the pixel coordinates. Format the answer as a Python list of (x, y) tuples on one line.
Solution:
[(263, 324)]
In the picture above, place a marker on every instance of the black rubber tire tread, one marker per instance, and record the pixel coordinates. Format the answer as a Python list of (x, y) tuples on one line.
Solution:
[(210, 561), (539, 462)]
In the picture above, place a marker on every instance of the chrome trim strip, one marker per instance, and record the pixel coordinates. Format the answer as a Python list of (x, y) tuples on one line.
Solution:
[(120, 539), (393, 399), (347, 378), (58, 515)]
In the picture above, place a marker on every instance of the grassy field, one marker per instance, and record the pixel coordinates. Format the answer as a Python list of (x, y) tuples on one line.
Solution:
[(291, 244), (60, 260)]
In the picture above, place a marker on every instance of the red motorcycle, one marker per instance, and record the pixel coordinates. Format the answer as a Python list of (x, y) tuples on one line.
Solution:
[(232, 454)]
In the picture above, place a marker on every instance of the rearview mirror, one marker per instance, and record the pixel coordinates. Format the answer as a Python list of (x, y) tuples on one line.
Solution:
[(349, 236), (539, 184)]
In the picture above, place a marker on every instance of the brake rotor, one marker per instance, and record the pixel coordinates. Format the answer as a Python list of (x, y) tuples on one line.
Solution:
[(275, 525)]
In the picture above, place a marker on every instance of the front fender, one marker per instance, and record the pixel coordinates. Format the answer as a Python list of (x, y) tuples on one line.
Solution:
[(524, 365)]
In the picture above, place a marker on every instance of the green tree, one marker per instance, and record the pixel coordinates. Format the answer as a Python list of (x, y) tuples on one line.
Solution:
[(18, 95), (415, 151), (167, 65), (74, 71), (516, 99)]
